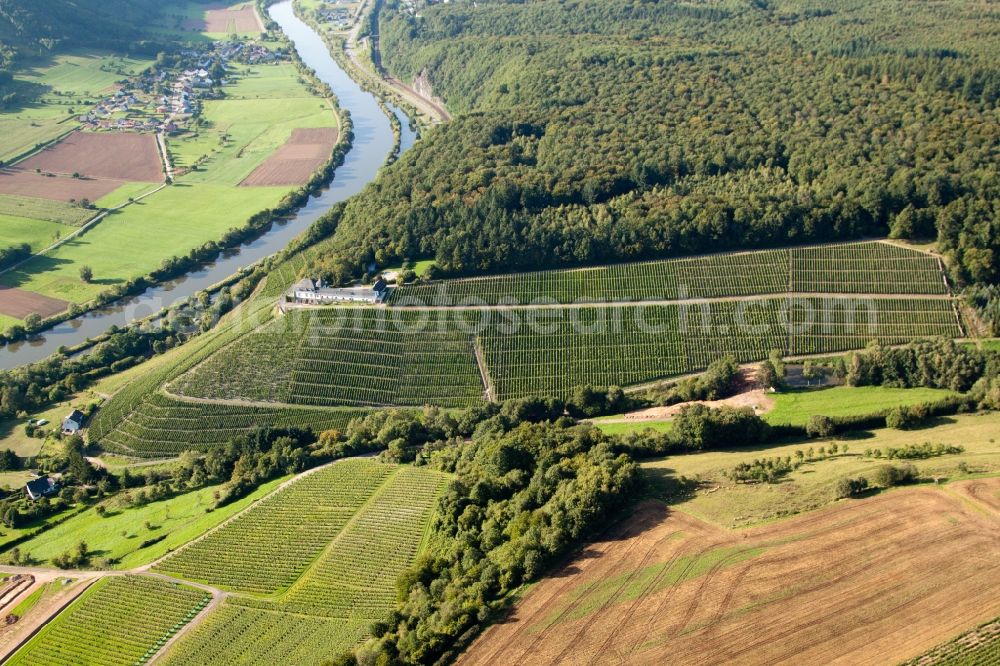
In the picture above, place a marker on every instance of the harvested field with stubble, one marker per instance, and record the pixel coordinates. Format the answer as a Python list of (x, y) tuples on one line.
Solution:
[(874, 581), (19, 303), (222, 18), (306, 150), (23, 183), (125, 156)]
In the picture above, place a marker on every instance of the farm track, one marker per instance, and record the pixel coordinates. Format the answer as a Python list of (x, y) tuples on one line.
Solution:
[(895, 575)]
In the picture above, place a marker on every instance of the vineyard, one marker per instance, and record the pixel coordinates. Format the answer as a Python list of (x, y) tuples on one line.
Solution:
[(979, 647), (374, 356), (872, 268), (606, 345), (346, 356), (326, 551), (358, 357), (356, 576), (164, 426), (267, 548), (240, 635), (119, 620)]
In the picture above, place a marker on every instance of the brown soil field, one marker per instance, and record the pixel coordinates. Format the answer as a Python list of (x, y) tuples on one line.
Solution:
[(306, 150), (124, 156), (20, 303), (873, 581), (58, 188), (221, 19)]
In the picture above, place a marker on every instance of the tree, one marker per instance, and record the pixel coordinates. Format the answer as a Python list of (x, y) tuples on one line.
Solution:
[(820, 426), (86, 274), (850, 487)]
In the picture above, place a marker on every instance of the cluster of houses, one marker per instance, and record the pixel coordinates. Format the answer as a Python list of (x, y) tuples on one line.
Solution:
[(164, 99), (312, 291), (339, 13)]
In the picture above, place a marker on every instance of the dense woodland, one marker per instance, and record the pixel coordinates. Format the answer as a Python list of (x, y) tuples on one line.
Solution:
[(607, 130)]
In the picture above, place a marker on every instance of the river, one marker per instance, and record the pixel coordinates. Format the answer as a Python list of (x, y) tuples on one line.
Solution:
[(373, 140)]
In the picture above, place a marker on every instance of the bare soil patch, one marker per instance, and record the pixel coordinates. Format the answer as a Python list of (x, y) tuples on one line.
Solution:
[(57, 188), (118, 156), (873, 581), (19, 303), (306, 150), (220, 18), (757, 399)]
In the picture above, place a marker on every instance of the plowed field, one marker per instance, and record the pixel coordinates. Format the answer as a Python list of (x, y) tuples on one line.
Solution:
[(871, 581), (124, 156), (19, 303), (56, 188), (305, 151)]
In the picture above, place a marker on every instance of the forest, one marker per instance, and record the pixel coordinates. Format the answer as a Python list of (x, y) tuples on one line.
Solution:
[(599, 131)]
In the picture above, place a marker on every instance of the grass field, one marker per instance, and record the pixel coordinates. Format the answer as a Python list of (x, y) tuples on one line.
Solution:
[(36, 233), (256, 117), (118, 620), (878, 580), (726, 503), (45, 210), (64, 83), (240, 131), (795, 407), (135, 240), (117, 537)]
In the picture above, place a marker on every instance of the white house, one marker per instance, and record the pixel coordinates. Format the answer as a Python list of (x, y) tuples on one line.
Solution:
[(312, 291), (72, 423)]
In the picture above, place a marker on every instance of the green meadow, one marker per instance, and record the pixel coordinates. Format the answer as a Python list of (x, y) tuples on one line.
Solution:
[(255, 119), (136, 239), (796, 406), (257, 116), (36, 233), (62, 86), (119, 534), (719, 500)]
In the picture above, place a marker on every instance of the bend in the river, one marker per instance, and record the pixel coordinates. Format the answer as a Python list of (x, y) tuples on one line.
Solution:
[(373, 141)]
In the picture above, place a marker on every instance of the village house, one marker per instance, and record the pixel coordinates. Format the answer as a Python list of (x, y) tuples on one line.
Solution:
[(72, 423), (41, 487)]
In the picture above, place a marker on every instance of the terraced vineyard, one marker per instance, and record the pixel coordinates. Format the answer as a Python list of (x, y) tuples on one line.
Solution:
[(873, 268), (240, 635), (362, 357), (346, 356), (636, 345), (267, 548), (165, 426), (119, 620)]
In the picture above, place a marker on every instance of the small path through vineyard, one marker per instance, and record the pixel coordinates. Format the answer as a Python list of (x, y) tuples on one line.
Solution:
[(654, 302), (874, 581)]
